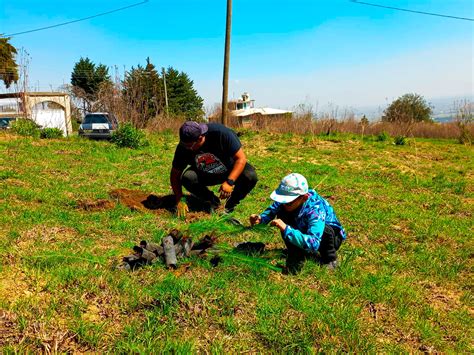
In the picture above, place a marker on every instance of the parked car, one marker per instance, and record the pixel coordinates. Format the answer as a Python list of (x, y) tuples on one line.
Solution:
[(98, 125), (5, 122)]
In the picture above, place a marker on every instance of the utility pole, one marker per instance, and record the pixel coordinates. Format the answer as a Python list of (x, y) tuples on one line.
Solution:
[(166, 92), (225, 81)]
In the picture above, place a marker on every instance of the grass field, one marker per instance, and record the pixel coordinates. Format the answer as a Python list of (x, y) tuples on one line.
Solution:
[(405, 282)]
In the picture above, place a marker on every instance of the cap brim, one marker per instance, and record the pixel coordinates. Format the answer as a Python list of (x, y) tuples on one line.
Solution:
[(282, 198), (204, 128)]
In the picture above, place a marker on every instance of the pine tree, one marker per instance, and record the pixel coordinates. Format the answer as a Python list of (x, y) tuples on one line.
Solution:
[(183, 99), (142, 89), (87, 78)]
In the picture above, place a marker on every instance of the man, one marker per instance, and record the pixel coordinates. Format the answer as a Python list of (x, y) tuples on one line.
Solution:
[(210, 154), (307, 222)]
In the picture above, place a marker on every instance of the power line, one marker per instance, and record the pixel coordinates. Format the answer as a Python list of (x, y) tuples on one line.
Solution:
[(78, 20), (413, 11)]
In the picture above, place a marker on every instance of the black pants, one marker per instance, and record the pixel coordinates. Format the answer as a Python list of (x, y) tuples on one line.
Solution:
[(330, 243), (197, 183)]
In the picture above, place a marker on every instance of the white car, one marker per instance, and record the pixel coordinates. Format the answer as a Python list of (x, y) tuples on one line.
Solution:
[(98, 125)]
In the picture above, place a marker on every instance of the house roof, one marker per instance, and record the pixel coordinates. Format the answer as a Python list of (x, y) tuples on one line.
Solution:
[(45, 93), (265, 111)]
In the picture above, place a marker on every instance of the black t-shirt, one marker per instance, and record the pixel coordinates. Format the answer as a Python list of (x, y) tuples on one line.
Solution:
[(216, 154)]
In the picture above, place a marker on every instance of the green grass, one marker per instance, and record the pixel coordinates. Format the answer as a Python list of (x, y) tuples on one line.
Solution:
[(404, 282)]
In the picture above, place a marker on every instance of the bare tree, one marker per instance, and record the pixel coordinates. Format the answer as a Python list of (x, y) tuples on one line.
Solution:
[(464, 118), (22, 85)]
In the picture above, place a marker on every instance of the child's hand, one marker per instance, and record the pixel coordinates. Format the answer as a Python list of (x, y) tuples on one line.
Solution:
[(278, 223), (255, 219)]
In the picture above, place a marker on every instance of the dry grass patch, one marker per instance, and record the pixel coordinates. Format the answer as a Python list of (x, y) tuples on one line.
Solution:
[(15, 284), (9, 332), (44, 235), (95, 205)]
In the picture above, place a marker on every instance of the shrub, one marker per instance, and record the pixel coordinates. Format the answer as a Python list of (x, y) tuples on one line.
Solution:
[(364, 121), (464, 118), (51, 133), (408, 108), (400, 140), (25, 127), (464, 136), (129, 136), (382, 137)]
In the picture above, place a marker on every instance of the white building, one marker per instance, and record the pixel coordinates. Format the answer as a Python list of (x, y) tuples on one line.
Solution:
[(47, 109), (243, 108)]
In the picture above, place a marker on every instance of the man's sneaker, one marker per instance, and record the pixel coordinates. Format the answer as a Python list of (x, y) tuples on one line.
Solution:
[(332, 265), (210, 207), (228, 210)]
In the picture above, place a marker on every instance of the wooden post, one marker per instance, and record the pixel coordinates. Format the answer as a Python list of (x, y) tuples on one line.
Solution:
[(166, 93), (225, 81)]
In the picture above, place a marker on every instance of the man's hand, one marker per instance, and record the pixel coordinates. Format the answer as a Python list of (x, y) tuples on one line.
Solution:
[(182, 209), (255, 219), (225, 190), (278, 223)]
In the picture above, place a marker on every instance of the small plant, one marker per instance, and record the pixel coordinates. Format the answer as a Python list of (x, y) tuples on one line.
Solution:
[(400, 140), (129, 136), (25, 127), (382, 137), (51, 133)]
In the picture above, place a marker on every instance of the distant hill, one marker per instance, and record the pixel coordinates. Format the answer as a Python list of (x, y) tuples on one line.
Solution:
[(443, 108), (443, 118)]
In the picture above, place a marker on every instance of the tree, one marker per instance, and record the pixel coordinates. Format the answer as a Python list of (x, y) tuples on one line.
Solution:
[(408, 108), (364, 121), (8, 66), (183, 99), (143, 92), (86, 79)]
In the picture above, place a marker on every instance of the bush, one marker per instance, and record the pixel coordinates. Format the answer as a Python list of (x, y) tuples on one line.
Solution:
[(400, 140), (408, 108), (382, 137), (51, 133), (465, 136), (25, 127), (129, 136)]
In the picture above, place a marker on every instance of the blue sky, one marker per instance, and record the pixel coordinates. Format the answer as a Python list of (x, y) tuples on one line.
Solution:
[(283, 52)]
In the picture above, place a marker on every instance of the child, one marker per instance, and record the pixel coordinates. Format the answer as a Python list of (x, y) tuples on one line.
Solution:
[(307, 223)]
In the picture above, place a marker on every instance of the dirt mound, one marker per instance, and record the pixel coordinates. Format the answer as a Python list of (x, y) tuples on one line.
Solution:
[(138, 200), (97, 205), (141, 201)]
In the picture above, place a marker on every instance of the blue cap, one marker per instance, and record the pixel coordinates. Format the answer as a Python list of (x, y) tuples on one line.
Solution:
[(190, 131)]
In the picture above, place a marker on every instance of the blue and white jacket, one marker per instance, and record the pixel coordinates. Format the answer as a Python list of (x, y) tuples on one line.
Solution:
[(315, 213)]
